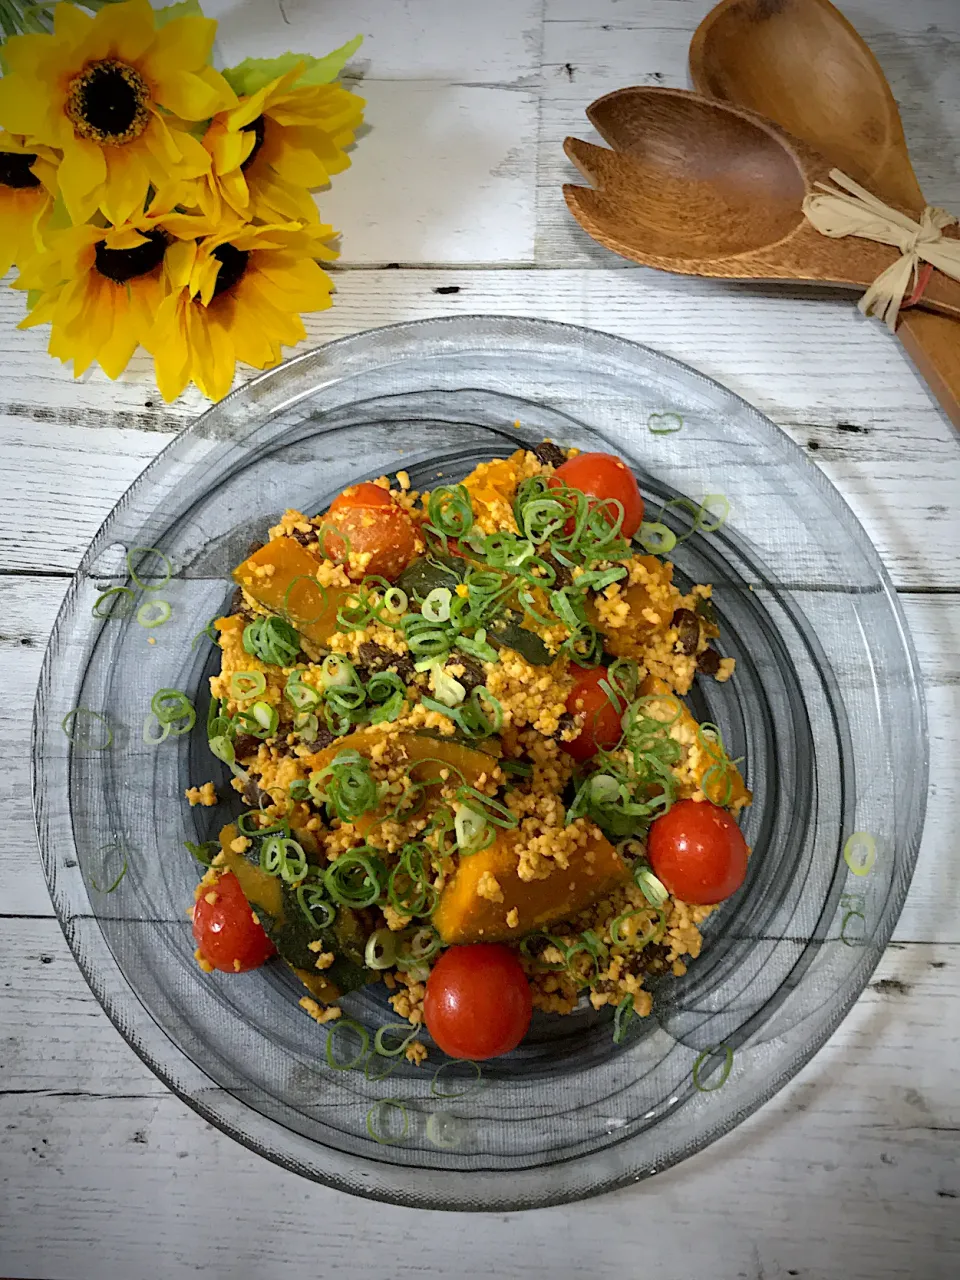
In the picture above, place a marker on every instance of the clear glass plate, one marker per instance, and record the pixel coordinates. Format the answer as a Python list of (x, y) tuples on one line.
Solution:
[(826, 709)]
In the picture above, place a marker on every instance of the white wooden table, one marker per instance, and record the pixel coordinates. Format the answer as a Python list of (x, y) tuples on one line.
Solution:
[(453, 205)]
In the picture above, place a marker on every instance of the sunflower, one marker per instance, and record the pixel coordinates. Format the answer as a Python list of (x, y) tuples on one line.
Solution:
[(97, 87), (100, 287), (235, 295), (275, 144), (28, 183)]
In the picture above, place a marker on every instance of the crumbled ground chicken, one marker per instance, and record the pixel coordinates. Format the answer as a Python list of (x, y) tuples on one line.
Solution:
[(205, 795), (320, 1013)]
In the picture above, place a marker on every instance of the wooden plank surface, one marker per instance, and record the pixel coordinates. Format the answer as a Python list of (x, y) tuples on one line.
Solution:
[(852, 1170)]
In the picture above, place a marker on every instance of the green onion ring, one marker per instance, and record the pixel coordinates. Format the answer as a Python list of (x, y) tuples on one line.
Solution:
[(346, 1024), (471, 1087), (724, 1070), (79, 714), (377, 1113), (134, 574), (154, 613), (114, 610)]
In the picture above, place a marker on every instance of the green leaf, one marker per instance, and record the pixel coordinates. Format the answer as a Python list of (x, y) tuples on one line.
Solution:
[(185, 9), (33, 297), (253, 73)]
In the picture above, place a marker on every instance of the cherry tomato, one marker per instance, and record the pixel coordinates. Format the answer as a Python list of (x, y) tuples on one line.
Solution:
[(478, 1001), (602, 475), (601, 728), (698, 851), (226, 930), (371, 523)]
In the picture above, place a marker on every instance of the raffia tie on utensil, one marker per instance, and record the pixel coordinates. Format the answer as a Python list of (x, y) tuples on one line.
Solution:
[(855, 212)]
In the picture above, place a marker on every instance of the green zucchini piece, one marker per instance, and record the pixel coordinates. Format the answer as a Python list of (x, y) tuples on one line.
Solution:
[(507, 633), (426, 573), (285, 924)]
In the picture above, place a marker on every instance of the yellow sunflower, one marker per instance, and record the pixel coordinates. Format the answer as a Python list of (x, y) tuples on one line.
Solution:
[(235, 295), (100, 287), (28, 184), (275, 144), (97, 87)]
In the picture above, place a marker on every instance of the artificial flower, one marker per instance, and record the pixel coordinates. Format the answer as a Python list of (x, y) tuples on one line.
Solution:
[(100, 287), (28, 185), (98, 89), (235, 295), (282, 139)]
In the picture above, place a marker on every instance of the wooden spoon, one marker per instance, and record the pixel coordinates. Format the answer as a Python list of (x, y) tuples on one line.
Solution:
[(702, 188), (801, 64)]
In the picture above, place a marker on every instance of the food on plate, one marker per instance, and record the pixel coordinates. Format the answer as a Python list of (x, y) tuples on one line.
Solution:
[(456, 720)]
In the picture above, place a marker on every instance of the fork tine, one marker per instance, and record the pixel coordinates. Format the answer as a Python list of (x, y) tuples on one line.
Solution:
[(601, 167)]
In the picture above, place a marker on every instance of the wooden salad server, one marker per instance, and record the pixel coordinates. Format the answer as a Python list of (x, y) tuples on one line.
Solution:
[(701, 188), (801, 64)]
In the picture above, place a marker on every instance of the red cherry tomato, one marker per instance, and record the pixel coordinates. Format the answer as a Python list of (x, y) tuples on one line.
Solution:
[(371, 523), (478, 1001), (601, 727), (228, 936), (602, 475), (698, 851)]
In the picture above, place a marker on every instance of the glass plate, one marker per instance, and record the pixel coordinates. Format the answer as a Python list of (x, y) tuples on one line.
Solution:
[(825, 707)]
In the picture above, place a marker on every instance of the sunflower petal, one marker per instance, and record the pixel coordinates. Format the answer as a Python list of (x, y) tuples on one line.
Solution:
[(181, 45), (82, 171), (123, 31), (23, 106), (188, 95)]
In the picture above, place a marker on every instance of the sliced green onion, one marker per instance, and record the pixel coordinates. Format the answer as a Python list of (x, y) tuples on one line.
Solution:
[(247, 684), (381, 952), (622, 1019), (717, 505), (314, 905), (300, 695), (169, 707), (472, 829), (656, 538), (73, 724), (377, 1068), (724, 1070), (491, 809), (154, 613), (549, 966), (345, 786), (519, 768), (353, 1028), (140, 554), (378, 1121), (436, 606), (209, 631), (664, 424), (477, 647), (271, 640), (355, 879), (425, 943), (121, 603), (391, 1028), (471, 1086), (284, 857), (652, 889), (860, 852), (444, 1131), (856, 940), (653, 934), (108, 848), (450, 511)]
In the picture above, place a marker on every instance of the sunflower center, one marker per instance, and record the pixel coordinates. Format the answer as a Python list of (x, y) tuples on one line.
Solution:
[(257, 127), (121, 265), (107, 103), (15, 170), (233, 263)]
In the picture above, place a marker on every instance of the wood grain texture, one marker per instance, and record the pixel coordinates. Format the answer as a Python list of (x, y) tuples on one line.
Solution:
[(850, 1171)]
